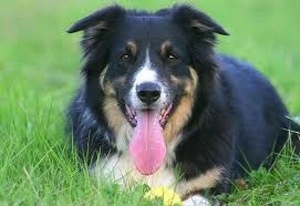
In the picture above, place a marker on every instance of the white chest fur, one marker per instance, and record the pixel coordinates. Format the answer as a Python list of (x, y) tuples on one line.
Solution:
[(121, 169)]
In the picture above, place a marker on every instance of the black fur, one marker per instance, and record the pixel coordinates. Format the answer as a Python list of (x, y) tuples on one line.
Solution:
[(237, 120)]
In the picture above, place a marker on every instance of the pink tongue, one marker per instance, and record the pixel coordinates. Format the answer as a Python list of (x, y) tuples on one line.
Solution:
[(147, 146)]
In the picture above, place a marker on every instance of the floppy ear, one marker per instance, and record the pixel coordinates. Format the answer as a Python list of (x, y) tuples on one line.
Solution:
[(96, 25), (99, 17), (201, 30), (196, 20)]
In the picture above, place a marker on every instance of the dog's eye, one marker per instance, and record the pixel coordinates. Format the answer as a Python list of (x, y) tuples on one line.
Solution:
[(124, 57), (172, 57)]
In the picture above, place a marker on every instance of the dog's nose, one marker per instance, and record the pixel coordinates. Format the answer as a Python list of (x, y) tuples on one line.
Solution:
[(148, 92)]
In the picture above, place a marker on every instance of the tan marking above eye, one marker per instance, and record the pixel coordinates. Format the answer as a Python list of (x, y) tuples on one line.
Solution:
[(131, 47), (167, 53), (165, 47)]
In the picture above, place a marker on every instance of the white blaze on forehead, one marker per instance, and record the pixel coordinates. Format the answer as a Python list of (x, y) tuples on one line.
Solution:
[(145, 73)]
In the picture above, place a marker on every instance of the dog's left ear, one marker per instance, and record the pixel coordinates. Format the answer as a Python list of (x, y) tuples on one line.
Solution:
[(196, 20)]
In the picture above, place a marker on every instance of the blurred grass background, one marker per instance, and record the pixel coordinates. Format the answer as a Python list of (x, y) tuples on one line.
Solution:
[(39, 72)]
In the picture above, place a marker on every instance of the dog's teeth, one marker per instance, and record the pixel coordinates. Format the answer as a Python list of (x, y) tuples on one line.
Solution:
[(162, 111)]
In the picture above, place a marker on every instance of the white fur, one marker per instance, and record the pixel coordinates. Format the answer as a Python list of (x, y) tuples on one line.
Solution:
[(147, 73), (170, 157), (196, 200), (123, 137), (121, 169)]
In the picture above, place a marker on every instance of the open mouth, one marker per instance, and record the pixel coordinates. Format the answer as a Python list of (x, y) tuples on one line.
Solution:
[(147, 146), (131, 115)]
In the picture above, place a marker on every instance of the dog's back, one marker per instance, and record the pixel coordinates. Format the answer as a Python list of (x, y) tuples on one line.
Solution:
[(263, 122)]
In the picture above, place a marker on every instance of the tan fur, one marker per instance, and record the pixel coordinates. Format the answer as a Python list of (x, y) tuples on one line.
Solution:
[(91, 32), (207, 180), (184, 109), (118, 123), (101, 79), (114, 116), (200, 26), (164, 46), (95, 29), (241, 183), (109, 90), (132, 47), (107, 86)]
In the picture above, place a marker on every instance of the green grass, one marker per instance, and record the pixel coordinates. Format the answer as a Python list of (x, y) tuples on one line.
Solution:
[(39, 71)]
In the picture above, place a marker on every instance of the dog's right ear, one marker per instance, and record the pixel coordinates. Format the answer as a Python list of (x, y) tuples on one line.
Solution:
[(97, 25), (99, 19)]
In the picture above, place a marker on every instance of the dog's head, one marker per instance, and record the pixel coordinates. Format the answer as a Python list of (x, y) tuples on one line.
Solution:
[(149, 67)]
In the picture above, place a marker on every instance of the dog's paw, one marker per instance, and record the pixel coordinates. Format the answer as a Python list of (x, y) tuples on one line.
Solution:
[(196, 200)]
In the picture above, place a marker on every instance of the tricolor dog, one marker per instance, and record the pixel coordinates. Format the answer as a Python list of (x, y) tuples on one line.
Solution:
[(159, 106)]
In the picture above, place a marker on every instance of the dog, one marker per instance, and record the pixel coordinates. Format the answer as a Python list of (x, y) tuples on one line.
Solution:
[(159, 106)]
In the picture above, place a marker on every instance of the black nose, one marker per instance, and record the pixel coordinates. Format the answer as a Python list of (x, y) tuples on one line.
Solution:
[(148, 92)]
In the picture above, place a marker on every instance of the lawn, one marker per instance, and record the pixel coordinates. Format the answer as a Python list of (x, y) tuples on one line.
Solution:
[(39, 72)]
